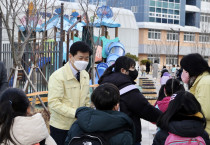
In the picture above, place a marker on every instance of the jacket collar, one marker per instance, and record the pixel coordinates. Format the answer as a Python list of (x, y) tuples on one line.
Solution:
[(192, 89), (74, 71), (199, 78)]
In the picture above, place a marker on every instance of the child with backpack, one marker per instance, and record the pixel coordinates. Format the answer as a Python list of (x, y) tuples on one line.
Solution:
[(171, 86), (103, 125), (122, 74), (183, 123), (17, 126)]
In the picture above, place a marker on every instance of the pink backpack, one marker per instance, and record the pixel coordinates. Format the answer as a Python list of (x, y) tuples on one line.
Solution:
[(173, 139)]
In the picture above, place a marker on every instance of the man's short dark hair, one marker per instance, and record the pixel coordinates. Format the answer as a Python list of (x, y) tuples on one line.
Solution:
[(80, 46), (105, 96)]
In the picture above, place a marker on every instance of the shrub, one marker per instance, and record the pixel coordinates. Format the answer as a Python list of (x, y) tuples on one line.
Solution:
[(132, 56), (144, 61)]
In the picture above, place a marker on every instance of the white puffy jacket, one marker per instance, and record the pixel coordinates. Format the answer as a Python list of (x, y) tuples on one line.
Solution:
[(29, 130)]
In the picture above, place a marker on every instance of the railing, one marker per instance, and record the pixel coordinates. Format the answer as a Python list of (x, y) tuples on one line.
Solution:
[(47, 57), (45, 98)]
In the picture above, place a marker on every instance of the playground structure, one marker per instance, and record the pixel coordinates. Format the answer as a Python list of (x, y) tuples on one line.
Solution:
[(108, 49), (111, 49)]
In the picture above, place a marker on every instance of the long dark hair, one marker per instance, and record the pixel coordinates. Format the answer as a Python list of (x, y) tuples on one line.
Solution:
[(13, 103), (161, 93), (172, 86), (182, 106), (122, 62)]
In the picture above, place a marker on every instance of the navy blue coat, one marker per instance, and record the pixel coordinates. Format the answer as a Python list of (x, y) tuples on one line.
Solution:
[(133, 103), (91, 120)]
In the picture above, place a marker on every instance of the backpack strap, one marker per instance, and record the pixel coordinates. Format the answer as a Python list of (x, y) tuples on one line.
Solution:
[(127, 89)]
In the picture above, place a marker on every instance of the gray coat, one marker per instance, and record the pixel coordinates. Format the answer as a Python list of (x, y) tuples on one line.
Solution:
[(155, 70)]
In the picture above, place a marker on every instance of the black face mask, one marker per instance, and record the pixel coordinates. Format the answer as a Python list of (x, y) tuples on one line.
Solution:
[(133, 74)]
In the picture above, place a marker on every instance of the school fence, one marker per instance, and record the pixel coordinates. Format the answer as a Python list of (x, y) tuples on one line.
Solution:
[(46, 57)]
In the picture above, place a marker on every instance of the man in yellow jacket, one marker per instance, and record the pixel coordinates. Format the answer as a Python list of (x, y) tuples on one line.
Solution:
[(68, 89)]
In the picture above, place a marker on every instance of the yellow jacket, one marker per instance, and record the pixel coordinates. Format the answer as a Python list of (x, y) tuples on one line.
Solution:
[(201, 90), (65, 95)]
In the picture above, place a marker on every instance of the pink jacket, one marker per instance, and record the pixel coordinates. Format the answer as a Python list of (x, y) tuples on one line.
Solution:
[(163, 104)]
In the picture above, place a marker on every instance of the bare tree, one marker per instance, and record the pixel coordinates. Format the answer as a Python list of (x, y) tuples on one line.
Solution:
[(170, 47), (155, 48), (90, 12), (20, 14), (13, 11)]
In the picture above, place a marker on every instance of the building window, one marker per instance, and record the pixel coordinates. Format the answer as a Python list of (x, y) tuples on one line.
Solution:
[(189, 37), (134, 9), (205, 18), (204, 38), (172, 36), (154, 34), (152, 3), (152, 58), (171, 59), (167, 9)]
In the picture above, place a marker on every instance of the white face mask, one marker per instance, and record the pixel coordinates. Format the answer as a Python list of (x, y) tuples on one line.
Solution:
[(80, 65)]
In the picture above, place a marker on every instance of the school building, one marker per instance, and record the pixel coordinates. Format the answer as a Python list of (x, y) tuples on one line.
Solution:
[(165, 24)]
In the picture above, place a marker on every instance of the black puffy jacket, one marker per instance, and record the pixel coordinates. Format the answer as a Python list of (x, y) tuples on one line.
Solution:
[(133, 103)]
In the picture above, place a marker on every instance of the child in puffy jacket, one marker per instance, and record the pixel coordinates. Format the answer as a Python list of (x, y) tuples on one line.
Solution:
[(183, 118), (171, 86), (17, 126), (166, 76), (105, 118)]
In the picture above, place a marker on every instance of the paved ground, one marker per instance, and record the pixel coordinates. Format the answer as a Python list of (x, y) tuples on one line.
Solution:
[(148, 129)]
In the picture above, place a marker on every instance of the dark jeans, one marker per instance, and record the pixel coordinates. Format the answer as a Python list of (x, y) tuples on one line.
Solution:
[(58, 135)]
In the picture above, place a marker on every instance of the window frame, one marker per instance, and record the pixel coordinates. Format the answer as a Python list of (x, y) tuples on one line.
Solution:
[(155, 34)]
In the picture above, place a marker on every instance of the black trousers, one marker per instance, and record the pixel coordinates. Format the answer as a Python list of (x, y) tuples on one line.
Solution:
[(58, 135)]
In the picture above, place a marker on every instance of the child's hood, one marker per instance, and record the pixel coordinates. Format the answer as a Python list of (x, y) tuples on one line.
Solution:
[(91, 120), (29, 129), (166, 74)]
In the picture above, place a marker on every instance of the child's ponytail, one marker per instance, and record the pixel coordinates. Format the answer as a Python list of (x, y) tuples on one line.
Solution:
[(107, 72)]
